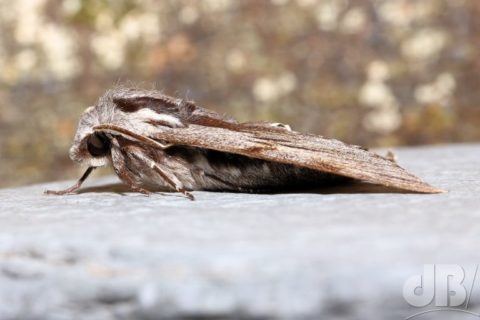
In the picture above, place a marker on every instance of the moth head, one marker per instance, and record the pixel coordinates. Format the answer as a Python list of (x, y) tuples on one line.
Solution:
[(90, 147), (141, 111)]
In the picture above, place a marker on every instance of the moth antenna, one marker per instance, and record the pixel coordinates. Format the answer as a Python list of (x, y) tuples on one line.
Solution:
[(187, 95), (110, 128), (118, 82), (73, 188)]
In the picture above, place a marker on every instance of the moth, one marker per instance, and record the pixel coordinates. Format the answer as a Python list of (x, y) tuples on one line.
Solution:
[(158, 142)]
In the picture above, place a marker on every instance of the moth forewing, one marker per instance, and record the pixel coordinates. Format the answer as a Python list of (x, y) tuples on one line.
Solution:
[(304, 150)]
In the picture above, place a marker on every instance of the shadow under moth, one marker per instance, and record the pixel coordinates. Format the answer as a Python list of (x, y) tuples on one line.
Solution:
[(157, 142)]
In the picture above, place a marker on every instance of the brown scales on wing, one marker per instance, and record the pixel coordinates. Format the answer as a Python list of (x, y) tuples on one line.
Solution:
[(304, 150)]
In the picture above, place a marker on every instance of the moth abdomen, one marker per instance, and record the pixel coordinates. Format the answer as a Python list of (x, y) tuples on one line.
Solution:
[(216, 170)]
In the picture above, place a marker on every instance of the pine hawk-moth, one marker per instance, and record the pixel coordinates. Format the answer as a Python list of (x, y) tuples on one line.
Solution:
[(157, 142)]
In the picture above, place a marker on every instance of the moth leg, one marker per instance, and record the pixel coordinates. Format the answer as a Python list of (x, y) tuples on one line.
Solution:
[(73, 188), (118, 163), (172, 181), (125, 177)]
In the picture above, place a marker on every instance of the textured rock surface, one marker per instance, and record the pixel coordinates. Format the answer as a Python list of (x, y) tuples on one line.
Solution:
[(343, 253)]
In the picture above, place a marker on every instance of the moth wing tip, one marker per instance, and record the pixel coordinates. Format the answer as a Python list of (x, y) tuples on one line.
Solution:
[(433, 190), (438, 190)]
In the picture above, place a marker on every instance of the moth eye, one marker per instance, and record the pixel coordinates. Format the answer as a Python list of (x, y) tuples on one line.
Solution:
[(98, 145)]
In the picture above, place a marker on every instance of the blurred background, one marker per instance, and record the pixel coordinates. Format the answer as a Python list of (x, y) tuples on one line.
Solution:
[(369, 72)]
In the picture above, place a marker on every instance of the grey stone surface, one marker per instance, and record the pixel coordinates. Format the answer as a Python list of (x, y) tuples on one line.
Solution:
[(342, 253)]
